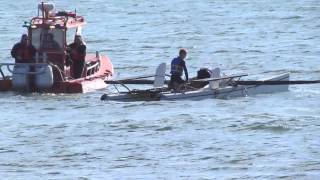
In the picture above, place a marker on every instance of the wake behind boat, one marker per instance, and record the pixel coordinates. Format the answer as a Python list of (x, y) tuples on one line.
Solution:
[(52, 69), (215, 87)]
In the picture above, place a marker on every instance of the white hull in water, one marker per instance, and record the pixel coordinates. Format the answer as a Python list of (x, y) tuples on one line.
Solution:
[(222, 92)]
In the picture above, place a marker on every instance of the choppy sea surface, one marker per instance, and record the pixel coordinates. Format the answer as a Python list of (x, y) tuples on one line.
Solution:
[(273, 136)]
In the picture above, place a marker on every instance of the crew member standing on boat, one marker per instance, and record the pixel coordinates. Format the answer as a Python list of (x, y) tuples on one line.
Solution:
[(49, 43), (178, 66), (23, 51), (78, 54)]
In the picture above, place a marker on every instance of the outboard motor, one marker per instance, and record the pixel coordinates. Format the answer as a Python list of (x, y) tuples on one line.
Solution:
[(44, 77), (20, 77), (26, 78)]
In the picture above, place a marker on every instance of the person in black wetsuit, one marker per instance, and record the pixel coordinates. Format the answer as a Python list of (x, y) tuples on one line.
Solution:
[(178, 66)]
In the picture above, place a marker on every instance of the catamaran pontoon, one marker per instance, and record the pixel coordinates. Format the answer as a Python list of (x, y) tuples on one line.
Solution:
[(217, 87)]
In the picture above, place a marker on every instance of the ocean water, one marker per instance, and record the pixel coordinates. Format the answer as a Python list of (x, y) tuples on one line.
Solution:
[(273, 136)]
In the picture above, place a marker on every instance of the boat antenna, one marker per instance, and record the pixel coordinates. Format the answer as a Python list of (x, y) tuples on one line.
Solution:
[(42, 9)]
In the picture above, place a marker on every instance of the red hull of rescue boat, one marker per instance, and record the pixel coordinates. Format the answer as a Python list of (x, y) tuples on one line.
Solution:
[(89, 83)]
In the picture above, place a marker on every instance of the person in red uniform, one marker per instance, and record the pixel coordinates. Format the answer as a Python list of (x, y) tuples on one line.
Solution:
[(23, 51), (77, 53)]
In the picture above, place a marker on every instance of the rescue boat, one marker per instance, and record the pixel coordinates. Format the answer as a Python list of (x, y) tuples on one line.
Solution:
[(51, 72)]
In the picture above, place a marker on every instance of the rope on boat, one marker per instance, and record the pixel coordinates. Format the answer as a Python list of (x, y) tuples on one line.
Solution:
[(62, 75)]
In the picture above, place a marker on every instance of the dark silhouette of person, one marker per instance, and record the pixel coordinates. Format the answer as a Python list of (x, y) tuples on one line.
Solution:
[(77, 53), (49, 43), (23, 51)]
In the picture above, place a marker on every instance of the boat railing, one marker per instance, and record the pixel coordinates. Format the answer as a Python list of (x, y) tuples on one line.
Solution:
[(10, 67), (92, 66), (42, 70)]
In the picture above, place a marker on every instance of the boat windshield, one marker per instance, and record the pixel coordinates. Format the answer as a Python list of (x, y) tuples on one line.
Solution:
[(48, 39), (70, 35)]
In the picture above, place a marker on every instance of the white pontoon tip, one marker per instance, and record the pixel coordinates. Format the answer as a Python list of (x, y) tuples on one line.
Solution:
[(160, 76)]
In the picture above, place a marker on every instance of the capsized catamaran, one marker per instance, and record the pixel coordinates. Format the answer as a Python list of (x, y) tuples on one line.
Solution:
[(217, 86), (51, 72)]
